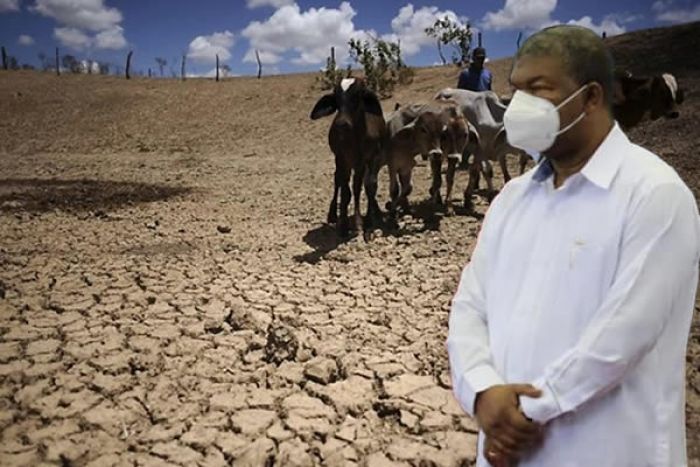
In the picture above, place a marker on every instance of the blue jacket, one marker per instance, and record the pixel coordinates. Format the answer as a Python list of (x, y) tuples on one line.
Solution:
[(475, 80)]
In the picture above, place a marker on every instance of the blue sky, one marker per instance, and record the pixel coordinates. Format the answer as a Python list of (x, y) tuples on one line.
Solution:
[(293, 36)]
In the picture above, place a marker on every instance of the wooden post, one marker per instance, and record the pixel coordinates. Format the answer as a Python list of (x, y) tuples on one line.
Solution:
[(257, 56), (217, 68), (479, 39), (182, 69), (4, 58), (604, 35), (520, 38), (58, 67), (149, 73), (128, 64)]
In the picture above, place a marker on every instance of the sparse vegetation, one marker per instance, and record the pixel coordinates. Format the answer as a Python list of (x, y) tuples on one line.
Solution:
[(382, 65), (331, 74), (448, 32)]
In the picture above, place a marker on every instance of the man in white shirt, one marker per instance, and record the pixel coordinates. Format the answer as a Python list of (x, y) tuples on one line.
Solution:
[(568, 331)]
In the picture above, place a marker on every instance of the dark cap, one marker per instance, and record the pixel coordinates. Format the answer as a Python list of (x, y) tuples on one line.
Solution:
[(479, 52)]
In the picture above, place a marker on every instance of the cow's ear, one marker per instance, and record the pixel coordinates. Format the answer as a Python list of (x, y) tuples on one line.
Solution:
[(680, 96), (372, 105), (325, 106)]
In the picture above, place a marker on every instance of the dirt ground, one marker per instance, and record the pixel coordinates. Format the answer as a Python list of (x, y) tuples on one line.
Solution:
[(170, 294)]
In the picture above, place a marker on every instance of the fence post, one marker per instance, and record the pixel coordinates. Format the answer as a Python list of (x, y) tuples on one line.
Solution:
[(4, 58), (257, 56), (128, 64), (58, 66)]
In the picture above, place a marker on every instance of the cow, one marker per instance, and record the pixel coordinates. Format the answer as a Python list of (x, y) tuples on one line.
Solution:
[(357, 138), (412, 130), (435, 132), (484, 111), (459, 137), (635, 97)]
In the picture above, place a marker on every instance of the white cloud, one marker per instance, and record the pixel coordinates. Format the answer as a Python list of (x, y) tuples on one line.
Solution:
[(111, 39), (84, 14), (25, 39), (520, 14), (72, 38), (272, 3), (205, 48), (409, 26), (9, 5), (608, 25), (84, 23), (667, 13), (310, 34)]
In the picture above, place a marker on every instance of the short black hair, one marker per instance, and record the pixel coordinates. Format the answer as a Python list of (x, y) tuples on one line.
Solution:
[(479, 51), (583, 53)]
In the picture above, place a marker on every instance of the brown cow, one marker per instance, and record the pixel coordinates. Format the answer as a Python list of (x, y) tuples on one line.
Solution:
[(413, 130), (458, 137), (432, 131), (635, 97), (357, 137)]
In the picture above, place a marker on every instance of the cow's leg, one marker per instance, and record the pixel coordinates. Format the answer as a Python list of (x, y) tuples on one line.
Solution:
[(332, 217), (451, 168), (345, 195), (357, 178), (394, 191), (504, 167), (406, 188), (374, 213), (473, 183), (488, 175), (523, 162), (436, 169)]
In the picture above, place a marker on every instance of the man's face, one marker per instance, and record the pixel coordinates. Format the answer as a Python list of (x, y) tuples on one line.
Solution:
[(546, 77)]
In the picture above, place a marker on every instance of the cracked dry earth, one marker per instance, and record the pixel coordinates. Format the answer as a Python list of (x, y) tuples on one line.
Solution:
[(170, 307), (169, 294)]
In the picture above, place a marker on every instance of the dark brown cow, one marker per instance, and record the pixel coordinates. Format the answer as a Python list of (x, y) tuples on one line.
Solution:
[(635, 97), (357, 137)]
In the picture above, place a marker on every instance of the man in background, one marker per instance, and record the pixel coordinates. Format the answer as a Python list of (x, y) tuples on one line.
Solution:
[(476, 77)]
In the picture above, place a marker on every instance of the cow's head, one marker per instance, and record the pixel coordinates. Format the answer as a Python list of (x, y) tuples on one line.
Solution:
[(425, 133), (455, 133), (665, 96), (350, 96), (660, 94)]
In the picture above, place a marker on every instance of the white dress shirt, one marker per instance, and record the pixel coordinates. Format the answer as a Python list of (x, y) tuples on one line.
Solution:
[(587, 292)]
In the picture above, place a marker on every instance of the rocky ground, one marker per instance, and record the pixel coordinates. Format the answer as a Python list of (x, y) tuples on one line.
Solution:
[(170, 295)]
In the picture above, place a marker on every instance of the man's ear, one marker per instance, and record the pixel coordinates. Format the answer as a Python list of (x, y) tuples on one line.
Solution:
[(595, 96), (372, 105), (324, 107)]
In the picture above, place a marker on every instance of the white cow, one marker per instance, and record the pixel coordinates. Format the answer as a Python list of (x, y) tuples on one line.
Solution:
[(484, 110)]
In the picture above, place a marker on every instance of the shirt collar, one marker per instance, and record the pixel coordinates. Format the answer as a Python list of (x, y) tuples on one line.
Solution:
[(603, 165)]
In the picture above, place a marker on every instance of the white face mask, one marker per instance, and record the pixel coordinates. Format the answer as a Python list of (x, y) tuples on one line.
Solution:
[(532, 123)]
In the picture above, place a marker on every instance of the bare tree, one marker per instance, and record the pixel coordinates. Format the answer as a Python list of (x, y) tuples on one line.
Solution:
[(448, 32), (70, 63), (128, 63), (161, 64)]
